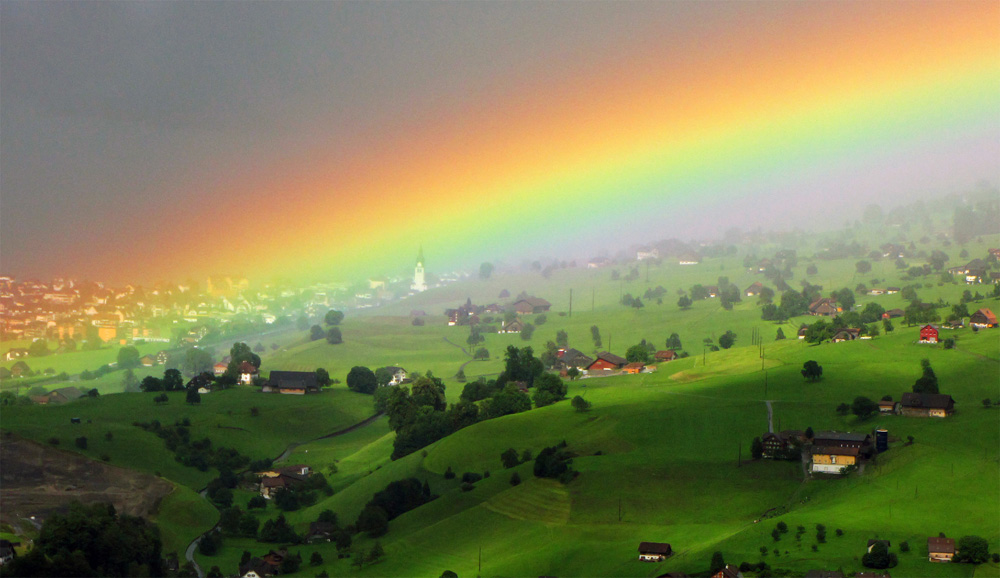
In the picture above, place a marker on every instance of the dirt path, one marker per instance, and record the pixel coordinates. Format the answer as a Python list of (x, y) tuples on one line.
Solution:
[(449, 342)]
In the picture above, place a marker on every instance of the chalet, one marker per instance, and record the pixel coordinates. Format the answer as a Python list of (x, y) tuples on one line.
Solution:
[(398, 375), (219, 368), (7, 551), (273, 480), (888, 407), (64, 394), (983, 318), (689, 259), (147, 360), (712, 290), (940, 549), (514, 326), (836, 439), (665, 355), (202, 380), (824, 574), (892, 314), (320, 532), (633, 368), (729, 571), (974, 276), (247, 372), (927, 405), (653, 551), (928, 334), (833, 460), (846, 334), (995, 253), (824, 307), (291, 382), (994, 277), (607, 361), (256, 568), (802, 331), (647, 253), (754, 289), (529, 305), (15, 353), (574, 358), (595, 263), (892, 290), (872, 543), (876, 291), (777, 445)]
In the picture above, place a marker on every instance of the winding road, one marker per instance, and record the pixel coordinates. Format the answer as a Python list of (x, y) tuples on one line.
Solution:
[(189, 553)]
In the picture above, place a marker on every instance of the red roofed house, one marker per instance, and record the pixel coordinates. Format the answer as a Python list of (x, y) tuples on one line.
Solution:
[(219, 368), (247, 372), (633, 368), (666, 355), (928, 334), (607, 361), (983, 318), (729, 571)]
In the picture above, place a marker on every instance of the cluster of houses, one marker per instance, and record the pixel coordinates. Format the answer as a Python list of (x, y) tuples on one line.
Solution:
[(58, 396), (919, 405), (606, 363), (939, 549), (276, 479), (981, 319), (523, 304)]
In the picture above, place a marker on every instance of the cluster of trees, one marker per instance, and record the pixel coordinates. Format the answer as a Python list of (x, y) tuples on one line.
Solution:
[(555, 462), (395, 500), (793, 303), (172, 380), (92, 541), (879, 557), (862, 407), (927, 382), (198, 454)]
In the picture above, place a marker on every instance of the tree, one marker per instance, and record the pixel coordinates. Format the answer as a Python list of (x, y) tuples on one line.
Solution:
[(718, 563), (872, 312), (515, 479), (879, 557), (39, 348), (362, 380), (595, 333), (843, 409), (150, 383), (128, 357), (481, 354), (173, 380), (485, 270), (779, 335), (562, 338), (756, 449), (637, 353), (333, 336), (323, 377), (887, 325), (316, 333), (373, 520), (864, 408), (580, 404), (927, 382), (812, 371), (819, 332), (684, 302), (863, 267), (316, 559), (727, 340), (509, 458), (197, 361), (375, 554), (674, 342), (333, 317), (129, 381), (972, 549), (81, 442), (192, 397)]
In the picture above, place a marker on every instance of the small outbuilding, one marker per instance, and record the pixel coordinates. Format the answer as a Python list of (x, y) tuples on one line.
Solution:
[(654, 551)]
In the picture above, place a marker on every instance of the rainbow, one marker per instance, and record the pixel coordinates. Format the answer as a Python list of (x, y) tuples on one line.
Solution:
[(756, 112)]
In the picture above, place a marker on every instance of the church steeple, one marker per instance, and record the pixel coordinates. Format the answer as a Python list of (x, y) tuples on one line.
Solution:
[(419, 284)]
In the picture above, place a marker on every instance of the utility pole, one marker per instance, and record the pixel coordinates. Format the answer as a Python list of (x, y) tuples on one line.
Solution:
[(480, 560), (619, 508), (570, 302), (739, 456), (593, 298)]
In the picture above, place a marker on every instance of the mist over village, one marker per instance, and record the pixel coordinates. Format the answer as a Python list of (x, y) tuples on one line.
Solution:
[(471, 289)]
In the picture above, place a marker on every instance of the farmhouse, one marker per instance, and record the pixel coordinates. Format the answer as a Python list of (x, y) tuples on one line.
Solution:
[(802, 331), (928, 334), (689, 259), (729, 571), (15, 353), (777, 445), (247, 372), (147, 360), (842, 439), (528, 305), (665, 355), (887, 406), (398, 375), (892, 314), (927, 405), (219, 368), (7, 551), (983, 318), (320, 531), (607, 361), (514, 326), (291, 382), (833, 460), (653, 551), (633, 368), (754, 289), (940, 549), (846, 334), (574, 358), (278, 479), (824, 307)]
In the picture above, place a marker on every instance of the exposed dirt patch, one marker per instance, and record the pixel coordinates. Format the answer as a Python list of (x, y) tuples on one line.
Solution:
[(38, 480)]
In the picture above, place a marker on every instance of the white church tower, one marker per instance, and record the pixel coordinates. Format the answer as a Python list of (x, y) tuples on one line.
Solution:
[(419, 284)]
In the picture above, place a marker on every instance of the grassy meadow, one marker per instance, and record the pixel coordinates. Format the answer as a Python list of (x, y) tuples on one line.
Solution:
[(662, 456)]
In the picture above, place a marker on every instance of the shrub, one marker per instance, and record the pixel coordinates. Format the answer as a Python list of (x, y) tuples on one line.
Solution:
[(904, 546), (449, 474), (515, 479), (468, 487), (471, 477), (81, 442), (580, 404)]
